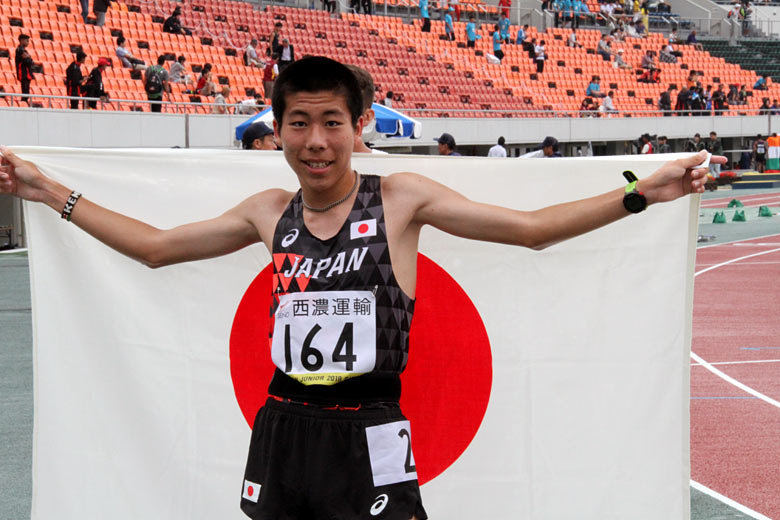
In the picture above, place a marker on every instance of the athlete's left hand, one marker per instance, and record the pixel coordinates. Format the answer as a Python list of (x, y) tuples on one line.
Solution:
[(677, 178)]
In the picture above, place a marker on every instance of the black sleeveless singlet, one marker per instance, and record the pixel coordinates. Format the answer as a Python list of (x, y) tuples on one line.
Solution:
[(339, 321)]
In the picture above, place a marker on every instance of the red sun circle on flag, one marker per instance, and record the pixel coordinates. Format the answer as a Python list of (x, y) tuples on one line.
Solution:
[(363, 228), (447, 381)]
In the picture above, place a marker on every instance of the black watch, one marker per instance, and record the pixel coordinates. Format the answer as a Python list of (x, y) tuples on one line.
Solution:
[(634, 200)]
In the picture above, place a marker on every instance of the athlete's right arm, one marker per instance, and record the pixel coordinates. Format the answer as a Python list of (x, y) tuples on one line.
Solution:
[(149, 245)]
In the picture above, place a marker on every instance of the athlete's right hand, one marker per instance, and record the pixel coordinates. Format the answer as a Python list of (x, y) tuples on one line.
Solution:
[(22, 178)]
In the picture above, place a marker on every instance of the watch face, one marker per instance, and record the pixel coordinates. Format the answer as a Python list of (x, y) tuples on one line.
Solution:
[(634, 202)]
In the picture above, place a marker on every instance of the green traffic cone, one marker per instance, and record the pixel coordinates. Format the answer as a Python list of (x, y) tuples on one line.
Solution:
[(720, 218), (735, 203), (739, 216), (764, 211)]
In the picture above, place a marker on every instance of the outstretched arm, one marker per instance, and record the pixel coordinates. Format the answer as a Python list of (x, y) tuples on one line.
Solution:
[(445, 209), (149, 245)]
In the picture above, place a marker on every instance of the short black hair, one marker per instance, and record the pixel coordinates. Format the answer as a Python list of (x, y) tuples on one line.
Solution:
[(27, 37), (81, 56), (161, 59), (317, 74), (501, 140), (181, 59), (120, 40)]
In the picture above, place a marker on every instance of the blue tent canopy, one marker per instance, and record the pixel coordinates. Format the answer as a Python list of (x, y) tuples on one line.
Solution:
[(389, 122)]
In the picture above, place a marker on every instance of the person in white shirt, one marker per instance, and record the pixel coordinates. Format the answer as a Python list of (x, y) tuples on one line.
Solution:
[(251, 55), (250, 106), (498, 150), (126, 57), (572, 42), (607, 106)]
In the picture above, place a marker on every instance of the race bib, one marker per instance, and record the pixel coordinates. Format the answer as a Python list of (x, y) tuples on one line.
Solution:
[(325, 337), (390, 452)]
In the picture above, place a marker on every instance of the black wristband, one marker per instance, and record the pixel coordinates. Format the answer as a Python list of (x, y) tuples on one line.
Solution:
[(70, 204)]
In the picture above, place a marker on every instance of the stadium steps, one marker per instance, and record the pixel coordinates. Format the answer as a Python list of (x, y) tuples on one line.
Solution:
[(761, 56)]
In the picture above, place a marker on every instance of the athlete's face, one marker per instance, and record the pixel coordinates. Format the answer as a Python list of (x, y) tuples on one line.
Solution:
[(317, 137)]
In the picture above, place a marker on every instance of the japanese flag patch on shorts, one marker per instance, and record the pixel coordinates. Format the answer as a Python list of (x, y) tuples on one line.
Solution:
[(251, 491)]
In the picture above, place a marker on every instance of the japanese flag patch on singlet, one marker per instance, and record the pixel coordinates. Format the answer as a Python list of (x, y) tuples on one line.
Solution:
[(325, 337)]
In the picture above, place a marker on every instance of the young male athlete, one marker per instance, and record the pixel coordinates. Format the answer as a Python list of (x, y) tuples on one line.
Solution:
[(331, 441)]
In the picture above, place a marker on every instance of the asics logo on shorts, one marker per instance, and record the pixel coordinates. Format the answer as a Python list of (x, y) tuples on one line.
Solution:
[(290, 238), (379, 505)]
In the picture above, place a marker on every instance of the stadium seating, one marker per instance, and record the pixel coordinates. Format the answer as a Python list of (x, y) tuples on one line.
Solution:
[(428, 75)]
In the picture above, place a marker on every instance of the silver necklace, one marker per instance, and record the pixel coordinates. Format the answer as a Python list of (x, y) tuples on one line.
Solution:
[(332, 204)]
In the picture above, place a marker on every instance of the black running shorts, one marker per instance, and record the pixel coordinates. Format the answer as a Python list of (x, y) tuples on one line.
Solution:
[(310, 463)]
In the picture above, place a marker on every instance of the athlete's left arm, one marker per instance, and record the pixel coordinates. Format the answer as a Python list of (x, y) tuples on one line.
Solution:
[(429, 202)]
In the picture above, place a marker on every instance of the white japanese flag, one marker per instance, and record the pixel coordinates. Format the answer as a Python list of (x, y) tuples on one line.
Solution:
[(136, 409), (251, 490)]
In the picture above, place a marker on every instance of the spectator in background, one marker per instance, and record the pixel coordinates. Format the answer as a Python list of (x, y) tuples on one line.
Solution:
[(522, 34), (503, 27), (588, 108), (287, 56), (619, 63), (205, 86), (93, 87), (276, 39), (100, 7), (665, 56), (648, 62), (498, 150), (220, 105), (270, 72), (426, 18), (178, 73), (251, 105), (691, 40), (742, 95), (505, 6), (471, 32), (765, 109), (775, 108), (647, 144), (602, 48), (550, 147), (74, 79), (694, 145), (572, 41), (665, 102), (607, 104), (258, 136), (530, 47), (84, 10), (683, 107), (715, 147), (497, 52), (250, 55), (540, 57), (674, 39), (594, 88), (760, 147), (156, 84), (449, 29), (447, 145), (631, 31), (761, 83), (126, 57), (24, 64), (173, 25), (388, 99), (719, 100), (663, 145)]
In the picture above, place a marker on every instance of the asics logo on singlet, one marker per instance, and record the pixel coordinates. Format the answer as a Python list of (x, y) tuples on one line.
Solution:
[(289, 238), (379, 504)]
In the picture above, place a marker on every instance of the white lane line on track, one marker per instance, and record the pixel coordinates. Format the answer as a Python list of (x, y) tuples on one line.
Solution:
[(726, 500), (709, 366), (12, 251), (734, 242), (757, 244), (744, 263), (739, 362)]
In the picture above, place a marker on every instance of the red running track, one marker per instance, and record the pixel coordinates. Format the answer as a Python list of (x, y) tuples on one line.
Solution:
[(750, 201), (735, 435)]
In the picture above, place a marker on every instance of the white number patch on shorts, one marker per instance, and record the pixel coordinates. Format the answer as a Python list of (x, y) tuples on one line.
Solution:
[(390, 451), (325, 337)]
